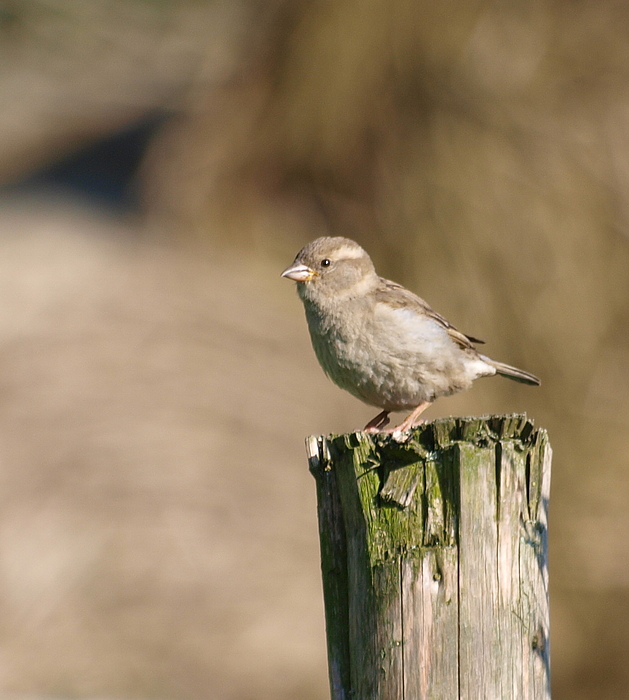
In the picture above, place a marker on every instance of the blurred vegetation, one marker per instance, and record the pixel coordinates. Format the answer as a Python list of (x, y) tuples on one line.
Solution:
[(478, 150)]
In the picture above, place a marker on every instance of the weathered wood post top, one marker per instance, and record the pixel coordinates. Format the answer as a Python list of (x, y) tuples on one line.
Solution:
[(434, 560)]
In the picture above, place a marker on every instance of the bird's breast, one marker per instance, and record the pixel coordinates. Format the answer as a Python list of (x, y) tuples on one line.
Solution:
[(393, 358)]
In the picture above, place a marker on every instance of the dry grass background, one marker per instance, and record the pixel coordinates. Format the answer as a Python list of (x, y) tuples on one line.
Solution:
[(157, 529)]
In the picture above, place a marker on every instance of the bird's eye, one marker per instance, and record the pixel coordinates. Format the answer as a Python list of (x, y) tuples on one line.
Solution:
[(325, 262)]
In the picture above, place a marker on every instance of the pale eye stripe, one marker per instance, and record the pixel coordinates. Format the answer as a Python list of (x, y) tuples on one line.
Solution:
[(347, 252)]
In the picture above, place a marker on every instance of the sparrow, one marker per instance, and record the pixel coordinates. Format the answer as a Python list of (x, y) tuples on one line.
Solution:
[(379, 341)]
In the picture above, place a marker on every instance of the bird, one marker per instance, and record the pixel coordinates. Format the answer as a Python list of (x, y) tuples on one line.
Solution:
[(381, 342)]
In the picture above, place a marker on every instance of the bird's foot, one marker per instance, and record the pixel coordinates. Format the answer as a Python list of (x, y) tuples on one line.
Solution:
[(376, 424), (410, 421)]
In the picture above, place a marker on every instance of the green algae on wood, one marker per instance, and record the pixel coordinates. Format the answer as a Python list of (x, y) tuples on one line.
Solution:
[(433, 551)]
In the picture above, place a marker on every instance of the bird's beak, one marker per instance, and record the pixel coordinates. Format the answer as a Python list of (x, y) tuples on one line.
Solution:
[(299, 273)]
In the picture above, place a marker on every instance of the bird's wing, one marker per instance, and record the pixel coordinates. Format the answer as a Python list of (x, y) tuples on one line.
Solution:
[(397, 296)]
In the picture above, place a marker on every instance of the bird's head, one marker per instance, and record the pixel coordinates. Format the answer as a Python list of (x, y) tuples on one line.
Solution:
[(332, 268)]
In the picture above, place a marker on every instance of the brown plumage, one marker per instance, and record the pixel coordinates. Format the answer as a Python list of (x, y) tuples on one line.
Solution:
[(379, 341)]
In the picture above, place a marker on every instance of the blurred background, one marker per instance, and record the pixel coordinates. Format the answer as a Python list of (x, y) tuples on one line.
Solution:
[(160, 163)]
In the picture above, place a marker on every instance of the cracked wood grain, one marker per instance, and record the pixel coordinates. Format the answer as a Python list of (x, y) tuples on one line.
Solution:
[(434, 560)]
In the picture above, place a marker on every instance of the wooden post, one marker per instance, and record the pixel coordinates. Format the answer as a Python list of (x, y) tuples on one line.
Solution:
[(434, 560)]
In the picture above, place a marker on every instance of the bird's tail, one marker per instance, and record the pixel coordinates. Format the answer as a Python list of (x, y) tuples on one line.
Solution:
[(519, 375)]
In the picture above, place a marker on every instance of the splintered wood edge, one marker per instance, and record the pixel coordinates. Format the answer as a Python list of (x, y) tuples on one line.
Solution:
[(452, 429), (439, 433)]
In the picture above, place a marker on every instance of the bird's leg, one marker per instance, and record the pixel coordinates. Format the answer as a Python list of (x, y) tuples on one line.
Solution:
[(376, 424), (410, 420)]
